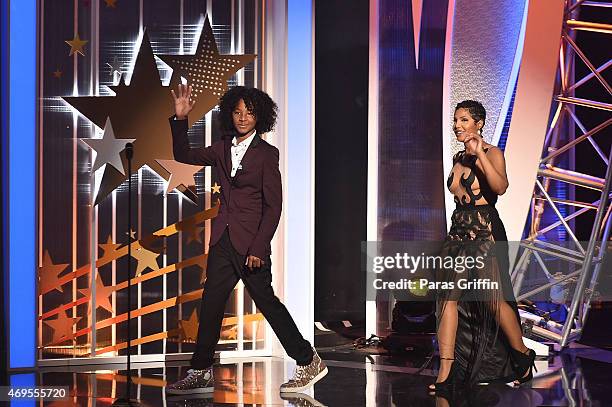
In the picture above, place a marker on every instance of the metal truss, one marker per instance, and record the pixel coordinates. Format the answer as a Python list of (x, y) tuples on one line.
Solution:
[(577, 264)]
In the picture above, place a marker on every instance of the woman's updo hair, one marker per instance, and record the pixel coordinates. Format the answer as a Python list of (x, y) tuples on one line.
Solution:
[(476, 109)]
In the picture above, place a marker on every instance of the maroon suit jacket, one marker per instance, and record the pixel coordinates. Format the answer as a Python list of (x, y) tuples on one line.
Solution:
[(251, 201)]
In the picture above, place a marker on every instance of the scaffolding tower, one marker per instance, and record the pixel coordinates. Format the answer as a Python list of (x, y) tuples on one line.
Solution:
[(577, 264)]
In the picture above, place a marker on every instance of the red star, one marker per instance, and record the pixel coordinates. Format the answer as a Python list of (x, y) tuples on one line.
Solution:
[(48, 275), (62, 326), (102, 294)]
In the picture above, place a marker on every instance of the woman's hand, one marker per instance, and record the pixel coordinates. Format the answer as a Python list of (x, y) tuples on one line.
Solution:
[(473, 144), (182, 103)]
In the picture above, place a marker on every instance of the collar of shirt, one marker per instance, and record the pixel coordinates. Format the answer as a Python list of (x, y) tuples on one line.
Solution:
[(245, 143)]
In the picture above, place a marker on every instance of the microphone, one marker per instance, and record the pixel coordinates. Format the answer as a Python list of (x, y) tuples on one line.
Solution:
[(129, 151)]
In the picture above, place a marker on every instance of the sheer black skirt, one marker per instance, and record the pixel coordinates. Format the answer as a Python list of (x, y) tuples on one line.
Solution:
[(481, 348)]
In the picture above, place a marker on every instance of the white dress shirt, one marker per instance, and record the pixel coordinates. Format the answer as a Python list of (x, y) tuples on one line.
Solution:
[(238, 150)]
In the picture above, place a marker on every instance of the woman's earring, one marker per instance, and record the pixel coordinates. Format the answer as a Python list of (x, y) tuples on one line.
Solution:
[(480, 132)]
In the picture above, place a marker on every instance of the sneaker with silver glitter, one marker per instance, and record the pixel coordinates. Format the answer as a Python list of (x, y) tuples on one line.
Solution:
[(305, 376), (197, 381)]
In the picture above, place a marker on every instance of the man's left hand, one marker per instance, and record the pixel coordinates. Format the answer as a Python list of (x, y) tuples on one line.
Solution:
[(253, 262)]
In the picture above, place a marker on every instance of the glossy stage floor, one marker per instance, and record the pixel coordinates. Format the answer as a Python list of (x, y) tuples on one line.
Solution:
[(578, 376)]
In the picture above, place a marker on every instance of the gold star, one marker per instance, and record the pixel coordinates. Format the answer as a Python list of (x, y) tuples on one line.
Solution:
[(62, 325), (191, 230), (189, 328), (207, 71), (57, 73), (216, 188), (76, 45), (115, 66), (110, 3), (109, 247), (195, 234), (180, 174), (48, 275), (102, 294), (148, 124), (146, 258)]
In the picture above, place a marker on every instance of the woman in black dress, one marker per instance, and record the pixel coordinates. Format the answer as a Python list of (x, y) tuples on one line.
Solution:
[(472, 348)]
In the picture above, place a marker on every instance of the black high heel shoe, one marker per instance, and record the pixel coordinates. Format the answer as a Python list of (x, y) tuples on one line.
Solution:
[(523, 363), (449, 383)]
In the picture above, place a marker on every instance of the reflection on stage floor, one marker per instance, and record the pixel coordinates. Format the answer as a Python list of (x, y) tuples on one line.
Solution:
[(577, 376)]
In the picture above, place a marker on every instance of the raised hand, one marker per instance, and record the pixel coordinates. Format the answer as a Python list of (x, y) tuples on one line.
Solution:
[(473, 144), (182, 103)]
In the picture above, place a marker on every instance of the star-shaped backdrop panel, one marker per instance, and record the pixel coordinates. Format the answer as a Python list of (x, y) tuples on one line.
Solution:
[(141, 110), (206, 71), (109, 247), (61, 326), (180, 173), (108, 148), (189, 328), (102, 295), (146, 259), (76, 45), (48, 274)]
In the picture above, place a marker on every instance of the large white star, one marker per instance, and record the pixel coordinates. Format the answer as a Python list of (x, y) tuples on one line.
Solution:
[(108, 148)]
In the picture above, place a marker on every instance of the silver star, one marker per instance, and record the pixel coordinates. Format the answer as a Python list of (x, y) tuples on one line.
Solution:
[(108, 148), (115, 66)]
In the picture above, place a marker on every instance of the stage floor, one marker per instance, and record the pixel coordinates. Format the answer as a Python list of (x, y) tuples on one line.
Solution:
[(577, 376)]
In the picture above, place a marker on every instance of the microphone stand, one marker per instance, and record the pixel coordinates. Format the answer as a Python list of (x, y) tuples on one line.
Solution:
[(127, 400)]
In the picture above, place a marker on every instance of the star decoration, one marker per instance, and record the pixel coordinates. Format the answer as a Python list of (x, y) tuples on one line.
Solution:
[(48, 274), (189, 328), (140, 110), (102, 294), (108, 148), (146, 259), (131, 234), (216, 188), (62, 325), (207, 71), (57, 73), (111, 3), (180, 174), (115, 66), (191, 230), (76, 45), (195, 234), (109, 247)]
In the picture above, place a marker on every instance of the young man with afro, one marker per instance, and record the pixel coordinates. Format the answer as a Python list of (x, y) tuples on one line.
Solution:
[(251, 204)]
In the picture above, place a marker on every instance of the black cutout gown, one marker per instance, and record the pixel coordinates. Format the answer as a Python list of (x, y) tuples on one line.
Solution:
[(481, 348)]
